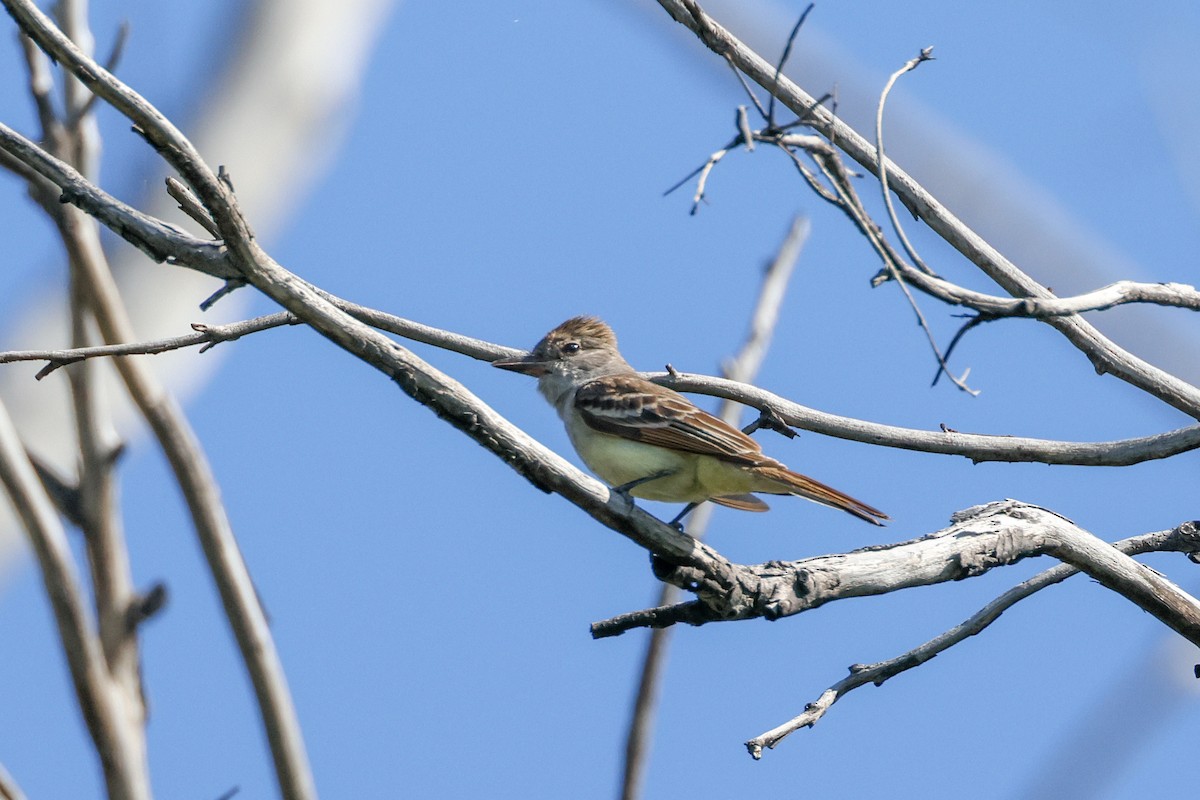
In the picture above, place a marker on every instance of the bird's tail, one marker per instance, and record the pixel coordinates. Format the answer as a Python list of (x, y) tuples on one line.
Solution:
[(784, 481)]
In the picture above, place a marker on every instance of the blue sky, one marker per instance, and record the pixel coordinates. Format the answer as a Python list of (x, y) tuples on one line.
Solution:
[(502, 170)]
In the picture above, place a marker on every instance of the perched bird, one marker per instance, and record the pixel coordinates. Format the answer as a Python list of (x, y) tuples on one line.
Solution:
[(652, 442)]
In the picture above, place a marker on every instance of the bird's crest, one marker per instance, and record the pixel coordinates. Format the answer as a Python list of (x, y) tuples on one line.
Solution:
[(585, 330)]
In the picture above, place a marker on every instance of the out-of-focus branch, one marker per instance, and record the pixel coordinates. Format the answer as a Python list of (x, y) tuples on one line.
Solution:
[(9, 790), (115, 734), (744, 367), (228, 568), (74, 139), (108, 554), (313, 52), (189, 466)]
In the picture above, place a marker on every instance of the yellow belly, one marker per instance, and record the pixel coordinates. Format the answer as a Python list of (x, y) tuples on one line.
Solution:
[(693, 478)]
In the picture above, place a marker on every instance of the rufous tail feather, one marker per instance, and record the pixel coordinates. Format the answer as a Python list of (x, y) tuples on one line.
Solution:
[(803, 486)]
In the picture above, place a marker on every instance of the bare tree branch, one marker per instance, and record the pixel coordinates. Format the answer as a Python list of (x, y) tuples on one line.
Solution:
[(8, 787), (158, 240), (115, 734), (228, 568), (1105, 355), (975, 446), (979, 539), (206, 335), (1185, 538), (191, 471), (73, 138)]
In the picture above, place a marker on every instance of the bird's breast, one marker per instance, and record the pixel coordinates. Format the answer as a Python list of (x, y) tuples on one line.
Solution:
[(618, 461)]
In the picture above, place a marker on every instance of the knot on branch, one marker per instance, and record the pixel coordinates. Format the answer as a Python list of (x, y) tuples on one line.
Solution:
[(1189, 537)]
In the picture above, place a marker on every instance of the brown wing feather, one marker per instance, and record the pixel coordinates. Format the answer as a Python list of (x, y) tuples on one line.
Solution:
[(634, 408)]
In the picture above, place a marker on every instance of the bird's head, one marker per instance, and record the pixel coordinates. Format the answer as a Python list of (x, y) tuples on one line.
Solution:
[(578, 350)]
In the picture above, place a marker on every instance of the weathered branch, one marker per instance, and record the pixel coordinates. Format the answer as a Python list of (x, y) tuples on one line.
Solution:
[(978, 540), (1183, 539), (158, 240)]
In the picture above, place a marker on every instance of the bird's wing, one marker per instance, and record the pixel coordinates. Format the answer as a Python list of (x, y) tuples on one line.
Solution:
[(634, 408)]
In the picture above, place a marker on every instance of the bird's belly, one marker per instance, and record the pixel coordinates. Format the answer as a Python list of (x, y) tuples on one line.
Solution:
[(619, 461)]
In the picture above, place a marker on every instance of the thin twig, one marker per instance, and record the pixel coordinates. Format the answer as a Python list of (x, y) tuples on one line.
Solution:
[(703, 170), (849, 202), (191, 205), (912, 64), (943, 367), (706, 170), (207, 335), (974, 322), (749, 92), (787, 52)]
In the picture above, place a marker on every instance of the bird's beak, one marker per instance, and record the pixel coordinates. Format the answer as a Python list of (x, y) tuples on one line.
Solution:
[(526, 366)]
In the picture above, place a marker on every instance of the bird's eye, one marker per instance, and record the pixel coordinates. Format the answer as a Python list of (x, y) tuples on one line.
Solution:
[(571, 347)]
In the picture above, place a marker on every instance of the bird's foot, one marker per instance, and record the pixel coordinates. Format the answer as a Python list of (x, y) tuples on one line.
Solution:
[(677, 523)]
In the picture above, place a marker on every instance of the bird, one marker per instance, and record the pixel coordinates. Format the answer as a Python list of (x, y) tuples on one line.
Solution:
[(651, 442)]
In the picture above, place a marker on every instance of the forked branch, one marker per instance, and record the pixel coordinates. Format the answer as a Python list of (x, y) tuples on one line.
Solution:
[(1105, 355)]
